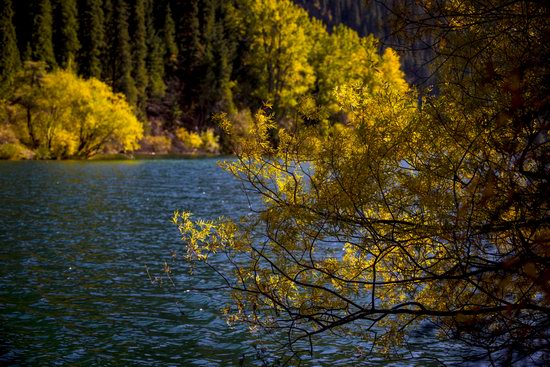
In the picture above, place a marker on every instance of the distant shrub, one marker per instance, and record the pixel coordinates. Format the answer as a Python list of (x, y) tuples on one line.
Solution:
[(7, 135), (191, 140), (15, 151), (11, 147), (210, 142), (157, 144)]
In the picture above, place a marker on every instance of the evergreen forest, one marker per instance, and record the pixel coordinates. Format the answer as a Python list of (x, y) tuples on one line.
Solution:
[(180, 63)]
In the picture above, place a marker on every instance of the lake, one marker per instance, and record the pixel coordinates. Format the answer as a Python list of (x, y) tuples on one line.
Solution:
[(77, 241)]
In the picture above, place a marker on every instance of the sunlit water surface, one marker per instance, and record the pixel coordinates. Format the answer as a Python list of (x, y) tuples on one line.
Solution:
[(76, 239)]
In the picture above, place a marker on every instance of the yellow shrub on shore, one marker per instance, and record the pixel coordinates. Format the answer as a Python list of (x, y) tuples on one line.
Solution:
[(156, 144), (206, 141), (210, 142), (60, 115), (190, 140)]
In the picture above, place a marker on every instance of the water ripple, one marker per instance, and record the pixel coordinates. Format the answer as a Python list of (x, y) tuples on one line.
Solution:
[(75, 238)]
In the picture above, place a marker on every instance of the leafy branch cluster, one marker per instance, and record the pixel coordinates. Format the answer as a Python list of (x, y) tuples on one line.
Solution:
[(430, 208)]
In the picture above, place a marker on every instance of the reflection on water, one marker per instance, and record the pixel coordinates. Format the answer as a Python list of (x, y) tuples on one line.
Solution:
[(75, 238)]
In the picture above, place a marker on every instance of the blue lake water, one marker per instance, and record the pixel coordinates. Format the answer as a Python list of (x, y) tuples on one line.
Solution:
[(76, 239)]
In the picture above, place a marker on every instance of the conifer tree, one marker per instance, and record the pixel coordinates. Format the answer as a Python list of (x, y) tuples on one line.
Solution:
[(217, 58), (93, 39), (43, 33), (22, 19), (108, 60), (155, 57), (208, 84), (191, 52), (226, 54), (122, 78), (170, 39), (67, 44), (9, 53), (194, 49), (140, 54)]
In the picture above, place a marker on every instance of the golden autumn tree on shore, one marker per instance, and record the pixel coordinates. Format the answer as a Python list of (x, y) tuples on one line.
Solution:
[(59, 115), (410, 212)]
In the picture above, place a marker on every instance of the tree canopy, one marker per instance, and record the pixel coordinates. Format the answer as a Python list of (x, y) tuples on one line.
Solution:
[(9, 53), (418, 209), (178, 63), (60, 115)]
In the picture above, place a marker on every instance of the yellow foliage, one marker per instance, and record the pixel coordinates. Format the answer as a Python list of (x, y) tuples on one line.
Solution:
[(190, 139), (64, 144), (63, 115), (15, 151), (401, 214), (279, 51), (206, 141), (390, 71), (157, 144), (343, 58), (365, 219), (305, 181), (210, 142)]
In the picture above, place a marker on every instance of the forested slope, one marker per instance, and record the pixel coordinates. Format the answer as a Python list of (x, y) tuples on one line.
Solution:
[(180, 62), (374, 17)]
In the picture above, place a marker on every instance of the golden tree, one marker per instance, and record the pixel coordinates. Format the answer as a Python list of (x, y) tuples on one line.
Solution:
[(60, 115), (411, 212), (279, 51)]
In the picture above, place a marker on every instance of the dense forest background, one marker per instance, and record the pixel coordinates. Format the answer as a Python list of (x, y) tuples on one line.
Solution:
[(374, 17), (180, 62)]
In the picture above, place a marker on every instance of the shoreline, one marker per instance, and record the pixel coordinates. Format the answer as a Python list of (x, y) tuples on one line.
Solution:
[(153, 156), (128, 157)]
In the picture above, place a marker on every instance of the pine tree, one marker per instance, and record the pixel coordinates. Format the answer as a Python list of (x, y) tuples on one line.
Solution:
[(108, 60), (217, 58), (155, 57), (170, 39), (67, 44), (226, 54), (122, 78), (140, 54), (191, 52), (208, 85), (194, 49), (93, 39), (227, 46), (23, 16), (43, 34), (9, 53)]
